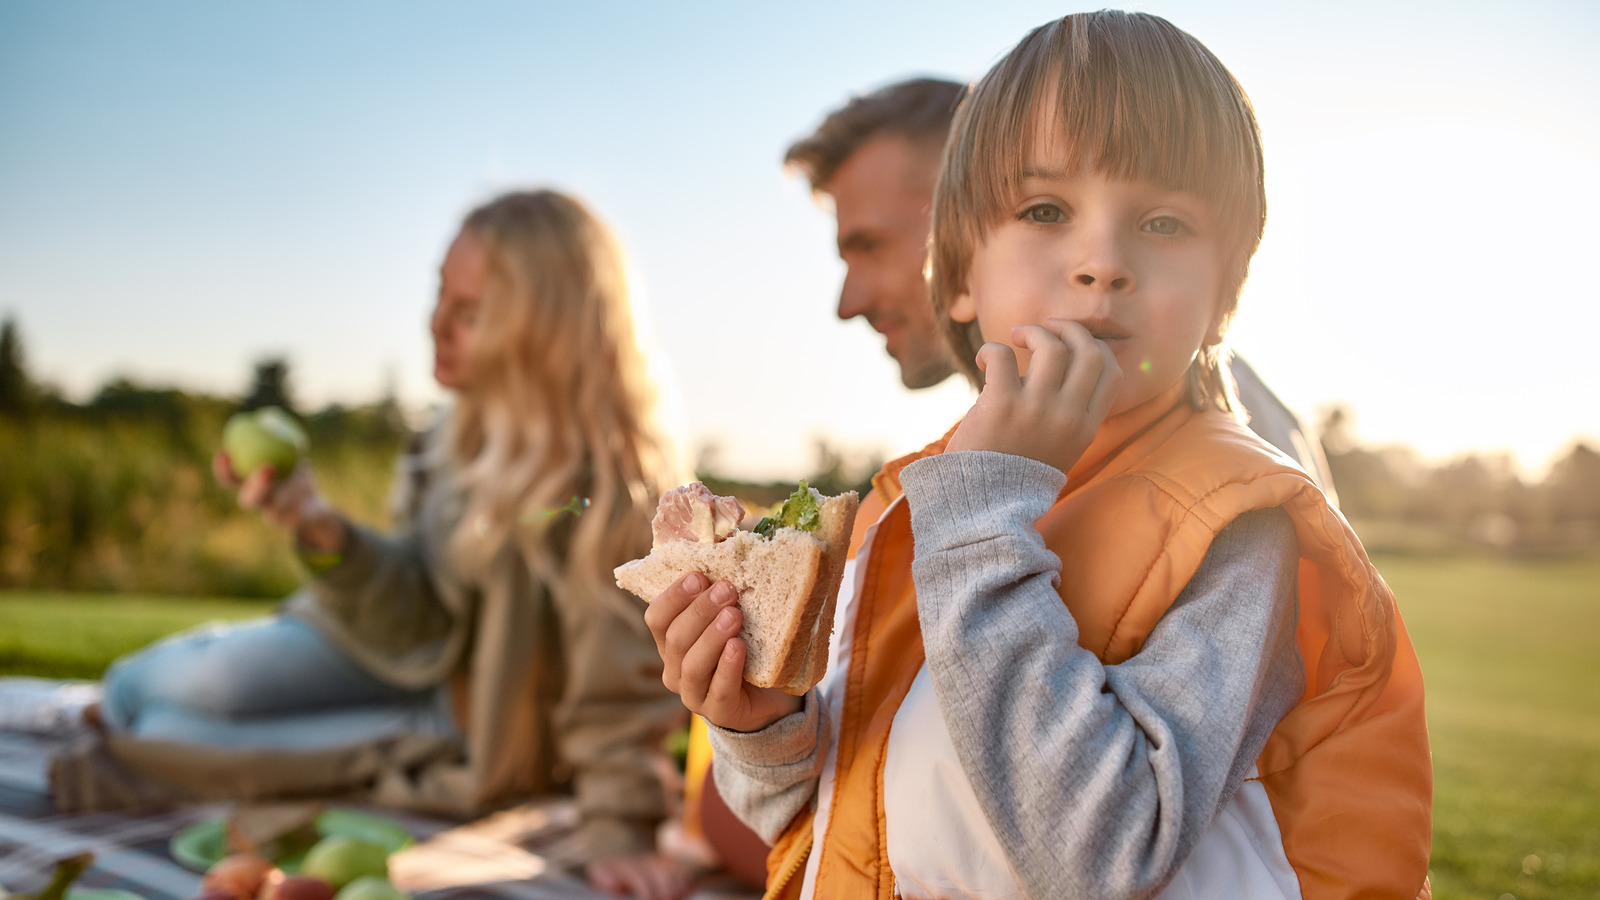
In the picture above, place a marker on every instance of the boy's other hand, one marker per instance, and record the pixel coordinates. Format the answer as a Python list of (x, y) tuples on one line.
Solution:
[(696, 628), (1052, 413), (648, 876)]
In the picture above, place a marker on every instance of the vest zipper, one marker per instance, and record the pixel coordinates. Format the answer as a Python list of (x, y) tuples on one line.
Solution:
[(776, 887)]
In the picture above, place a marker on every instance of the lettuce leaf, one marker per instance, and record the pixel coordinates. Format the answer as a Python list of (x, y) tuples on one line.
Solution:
[(799, 511)]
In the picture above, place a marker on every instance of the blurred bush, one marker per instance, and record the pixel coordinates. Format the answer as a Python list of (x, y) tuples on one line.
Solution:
[(116, 494), (1400, 503)]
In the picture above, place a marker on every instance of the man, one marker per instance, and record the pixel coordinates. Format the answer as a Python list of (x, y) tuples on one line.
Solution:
[(878, 157)]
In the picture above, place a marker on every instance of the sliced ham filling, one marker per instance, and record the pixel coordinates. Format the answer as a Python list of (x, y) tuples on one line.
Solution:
[(693, 513)]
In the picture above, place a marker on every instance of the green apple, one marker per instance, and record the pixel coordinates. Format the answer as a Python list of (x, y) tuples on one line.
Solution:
[(339, 860), (371, 887), (266, 437)]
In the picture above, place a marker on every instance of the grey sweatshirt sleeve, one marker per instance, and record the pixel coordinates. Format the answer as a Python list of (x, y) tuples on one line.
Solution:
[(1098, 780), (766, 777)]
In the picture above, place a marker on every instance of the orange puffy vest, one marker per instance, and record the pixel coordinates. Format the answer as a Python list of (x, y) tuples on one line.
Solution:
[(1347, 771)]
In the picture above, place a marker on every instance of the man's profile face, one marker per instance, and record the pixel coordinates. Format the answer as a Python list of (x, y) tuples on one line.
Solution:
[(882, 196)]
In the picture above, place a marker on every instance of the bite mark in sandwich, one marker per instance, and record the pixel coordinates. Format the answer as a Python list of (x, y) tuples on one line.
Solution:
[(787, 572)]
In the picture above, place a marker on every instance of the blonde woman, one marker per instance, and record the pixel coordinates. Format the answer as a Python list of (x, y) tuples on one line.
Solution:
[(482, 652)]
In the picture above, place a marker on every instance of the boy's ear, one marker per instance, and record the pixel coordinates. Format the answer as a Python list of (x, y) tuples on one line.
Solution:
[(962, 309)]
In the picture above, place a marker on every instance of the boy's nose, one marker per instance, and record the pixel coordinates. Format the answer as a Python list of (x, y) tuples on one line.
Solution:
[(1103, 265), (1115, 282)]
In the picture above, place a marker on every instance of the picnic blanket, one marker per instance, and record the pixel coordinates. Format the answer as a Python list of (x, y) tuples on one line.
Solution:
[(510, 855)]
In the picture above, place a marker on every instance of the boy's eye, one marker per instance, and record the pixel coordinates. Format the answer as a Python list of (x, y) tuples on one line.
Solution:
[(1043, 213), (1164, 225)]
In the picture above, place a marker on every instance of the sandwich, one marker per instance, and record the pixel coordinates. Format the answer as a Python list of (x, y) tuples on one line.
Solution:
[(787, 571)]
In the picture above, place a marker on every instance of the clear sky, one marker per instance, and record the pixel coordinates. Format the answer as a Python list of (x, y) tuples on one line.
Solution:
[(188, 186)]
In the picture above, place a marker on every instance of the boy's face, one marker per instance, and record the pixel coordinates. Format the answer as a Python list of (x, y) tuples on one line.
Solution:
[(1136, 264)]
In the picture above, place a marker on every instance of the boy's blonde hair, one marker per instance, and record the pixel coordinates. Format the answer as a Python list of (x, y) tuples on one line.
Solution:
[(558, 404), (1136, 99)]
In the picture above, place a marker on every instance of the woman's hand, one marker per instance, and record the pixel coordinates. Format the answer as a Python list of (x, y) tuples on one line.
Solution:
[(650, 876), (293, 503), (1052, 413), (696, 627)]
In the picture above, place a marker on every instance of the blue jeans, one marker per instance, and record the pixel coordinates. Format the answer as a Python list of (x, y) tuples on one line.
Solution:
[(272, 683)]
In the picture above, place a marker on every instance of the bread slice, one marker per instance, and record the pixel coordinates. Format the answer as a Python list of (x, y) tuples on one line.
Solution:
[(788, 585)]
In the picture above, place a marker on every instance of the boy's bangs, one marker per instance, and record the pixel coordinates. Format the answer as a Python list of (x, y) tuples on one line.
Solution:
[(1132, 98)]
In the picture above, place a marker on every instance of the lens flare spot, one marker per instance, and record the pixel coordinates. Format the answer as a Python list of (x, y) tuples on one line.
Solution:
[(1144, 366)]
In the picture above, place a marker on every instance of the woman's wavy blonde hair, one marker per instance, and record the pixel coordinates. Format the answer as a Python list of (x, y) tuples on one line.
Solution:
[(556, 437), (1136, 99)]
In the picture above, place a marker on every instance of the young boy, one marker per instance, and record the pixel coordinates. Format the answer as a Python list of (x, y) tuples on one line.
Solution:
[(1100, 642)]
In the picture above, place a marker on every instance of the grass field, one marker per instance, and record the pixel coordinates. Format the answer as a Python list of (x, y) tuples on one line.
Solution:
[(1510, 650), (77, 635), (1511, 655)]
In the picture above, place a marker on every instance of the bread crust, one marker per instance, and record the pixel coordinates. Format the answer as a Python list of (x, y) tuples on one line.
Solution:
[(788, 585), (838, 516)]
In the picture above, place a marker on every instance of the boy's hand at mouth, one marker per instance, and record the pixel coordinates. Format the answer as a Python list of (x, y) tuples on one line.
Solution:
[(696, 626), (1051, 413)]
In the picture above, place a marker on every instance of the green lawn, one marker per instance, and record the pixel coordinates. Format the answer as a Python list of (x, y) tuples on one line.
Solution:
[(1510, 651), (1511, 655), (77, 635)]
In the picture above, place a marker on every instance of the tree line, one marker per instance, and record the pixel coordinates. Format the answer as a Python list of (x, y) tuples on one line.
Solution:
[(115, 493), (1400, 502)]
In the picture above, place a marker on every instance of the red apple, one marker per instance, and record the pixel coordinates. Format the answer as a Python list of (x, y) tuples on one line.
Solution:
[(301, 887), (242, 875)]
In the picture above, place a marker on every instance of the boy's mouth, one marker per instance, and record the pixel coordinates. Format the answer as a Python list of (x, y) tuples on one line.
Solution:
[(1104, 330)]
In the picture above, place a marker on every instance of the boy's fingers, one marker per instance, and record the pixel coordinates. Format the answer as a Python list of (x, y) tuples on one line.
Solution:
[(668, 604), (700, 663), (1086, 356), (1091, 359), (1110, 380), (1049, 358), (695, 618), (727, 682), (999, 366)]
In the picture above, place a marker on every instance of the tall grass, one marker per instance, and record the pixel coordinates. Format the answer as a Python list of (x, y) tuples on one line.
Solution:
[(129, 504)]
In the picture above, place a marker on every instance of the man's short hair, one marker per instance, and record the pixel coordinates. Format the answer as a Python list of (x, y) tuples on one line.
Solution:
[(919, 109)]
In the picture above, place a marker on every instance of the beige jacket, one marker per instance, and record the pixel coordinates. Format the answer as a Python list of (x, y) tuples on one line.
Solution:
[(551, 694)]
